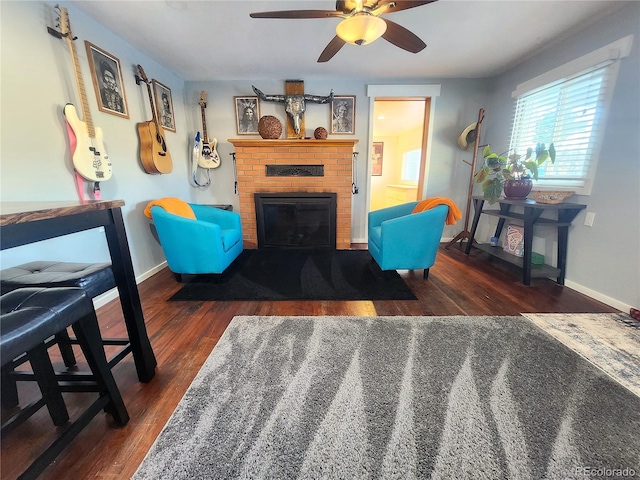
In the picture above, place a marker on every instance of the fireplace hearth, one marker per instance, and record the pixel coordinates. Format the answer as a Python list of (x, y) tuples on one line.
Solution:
[(296, 220)]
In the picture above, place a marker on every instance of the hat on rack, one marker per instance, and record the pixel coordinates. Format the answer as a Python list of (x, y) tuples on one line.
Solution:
[(467, 138)]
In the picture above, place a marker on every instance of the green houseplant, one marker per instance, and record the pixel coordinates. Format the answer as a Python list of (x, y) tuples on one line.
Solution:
[(515, 171)]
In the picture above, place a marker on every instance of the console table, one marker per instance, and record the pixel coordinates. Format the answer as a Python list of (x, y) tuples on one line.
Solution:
[(22, 223), (566, 212)]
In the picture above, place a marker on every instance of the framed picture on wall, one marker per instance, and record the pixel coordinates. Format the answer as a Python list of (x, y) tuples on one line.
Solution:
[(376, 158), (247, 115), (107, 81), (164, 106), (343, 114)]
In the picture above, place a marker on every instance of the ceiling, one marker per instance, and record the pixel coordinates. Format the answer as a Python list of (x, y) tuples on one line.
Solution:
[(395, 117), (217, 40)]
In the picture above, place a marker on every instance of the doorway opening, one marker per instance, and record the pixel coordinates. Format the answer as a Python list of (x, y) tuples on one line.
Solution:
[(398, 155)]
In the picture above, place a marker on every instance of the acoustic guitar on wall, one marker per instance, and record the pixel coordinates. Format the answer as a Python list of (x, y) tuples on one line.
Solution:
[(90, 159), (154, 154)]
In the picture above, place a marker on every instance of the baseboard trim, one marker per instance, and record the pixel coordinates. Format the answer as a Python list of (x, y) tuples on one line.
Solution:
[(612, 302), (112, 294)]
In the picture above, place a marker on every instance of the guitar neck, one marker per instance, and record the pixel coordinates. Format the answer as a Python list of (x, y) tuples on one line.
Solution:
[(153, 108), (205, 138), (86, 115)]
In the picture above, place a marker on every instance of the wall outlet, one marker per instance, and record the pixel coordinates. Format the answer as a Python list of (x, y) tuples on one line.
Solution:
[(589, 218)]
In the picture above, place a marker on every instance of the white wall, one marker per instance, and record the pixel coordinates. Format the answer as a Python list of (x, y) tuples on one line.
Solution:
[(37, 80), (603, 260)]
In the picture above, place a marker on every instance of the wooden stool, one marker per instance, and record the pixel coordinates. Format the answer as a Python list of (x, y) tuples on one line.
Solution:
[(30, 316)]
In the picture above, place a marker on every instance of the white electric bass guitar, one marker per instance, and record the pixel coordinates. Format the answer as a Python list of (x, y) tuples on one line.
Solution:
[(90, 158), (208, 156)]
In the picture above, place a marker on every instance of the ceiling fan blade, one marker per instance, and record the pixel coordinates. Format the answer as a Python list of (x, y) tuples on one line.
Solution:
[(402, 5), (331, 49), (297, 14), (403, 38)]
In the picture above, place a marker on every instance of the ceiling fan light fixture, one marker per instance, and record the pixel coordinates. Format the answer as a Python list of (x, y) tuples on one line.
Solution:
[(361, 28)]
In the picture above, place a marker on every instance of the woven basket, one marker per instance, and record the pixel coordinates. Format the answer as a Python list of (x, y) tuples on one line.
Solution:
[(552, 197), (269, 127), (320, 133)]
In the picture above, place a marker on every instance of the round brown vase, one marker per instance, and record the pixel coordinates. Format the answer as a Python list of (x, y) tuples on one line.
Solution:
[(320, 133), (517, 189), (269, 127)]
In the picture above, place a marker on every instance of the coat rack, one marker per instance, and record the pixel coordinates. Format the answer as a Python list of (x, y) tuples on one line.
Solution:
[(465, 234)]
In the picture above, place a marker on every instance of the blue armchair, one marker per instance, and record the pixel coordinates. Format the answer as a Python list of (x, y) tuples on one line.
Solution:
[(207, 244), (399, 239)]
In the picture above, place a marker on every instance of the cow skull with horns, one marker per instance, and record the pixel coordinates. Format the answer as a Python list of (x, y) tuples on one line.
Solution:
[(294, 105)]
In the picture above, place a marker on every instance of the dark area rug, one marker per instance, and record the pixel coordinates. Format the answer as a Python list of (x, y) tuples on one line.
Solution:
[(281, 274)]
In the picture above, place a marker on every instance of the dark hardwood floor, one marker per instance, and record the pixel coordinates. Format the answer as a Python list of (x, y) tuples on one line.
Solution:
[(184, 333)]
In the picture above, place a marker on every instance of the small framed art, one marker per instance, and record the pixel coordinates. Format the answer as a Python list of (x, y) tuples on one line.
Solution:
[(343, 114), (247, 115), (107, 81), (376, 158), (164, 106)]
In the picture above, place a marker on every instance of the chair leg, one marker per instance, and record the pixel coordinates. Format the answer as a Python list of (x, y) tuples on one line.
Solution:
[(9, 385), (46, 377), (66, 349), (88, 334), (425, 275), (9, 388)]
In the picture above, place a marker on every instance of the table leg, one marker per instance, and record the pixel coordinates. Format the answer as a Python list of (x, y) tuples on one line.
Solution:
[(563, 237), (565, 217), (528, 245), (143, 355)]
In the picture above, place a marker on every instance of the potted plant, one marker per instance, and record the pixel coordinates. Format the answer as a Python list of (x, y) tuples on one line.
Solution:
[(513, 174)]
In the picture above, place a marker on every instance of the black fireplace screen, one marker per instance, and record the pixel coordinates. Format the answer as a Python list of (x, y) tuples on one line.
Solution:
[(297, 219)]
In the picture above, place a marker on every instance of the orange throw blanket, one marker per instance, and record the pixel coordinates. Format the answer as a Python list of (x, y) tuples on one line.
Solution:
[(454, 212), (172, 205)]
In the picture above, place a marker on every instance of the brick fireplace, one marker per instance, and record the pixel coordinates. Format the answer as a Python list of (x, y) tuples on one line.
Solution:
[(333, 158)]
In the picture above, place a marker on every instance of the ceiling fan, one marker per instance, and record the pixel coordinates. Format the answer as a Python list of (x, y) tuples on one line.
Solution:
[(362, 24)]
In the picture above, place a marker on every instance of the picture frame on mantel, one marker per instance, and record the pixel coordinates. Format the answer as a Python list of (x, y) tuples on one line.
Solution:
[(247, 115), (107, 81), (376, 158), (343, 115)]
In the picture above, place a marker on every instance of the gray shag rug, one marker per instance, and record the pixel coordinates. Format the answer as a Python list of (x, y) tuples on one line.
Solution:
[(397, 397)]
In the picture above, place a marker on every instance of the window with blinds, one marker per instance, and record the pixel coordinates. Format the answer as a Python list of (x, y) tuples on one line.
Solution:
[(569, 112)]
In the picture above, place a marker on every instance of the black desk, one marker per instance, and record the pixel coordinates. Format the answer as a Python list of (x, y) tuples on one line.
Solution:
[(566, 212), (22, 223)]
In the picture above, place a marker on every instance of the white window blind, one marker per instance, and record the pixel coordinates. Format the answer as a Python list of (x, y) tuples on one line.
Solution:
[(569, 111)]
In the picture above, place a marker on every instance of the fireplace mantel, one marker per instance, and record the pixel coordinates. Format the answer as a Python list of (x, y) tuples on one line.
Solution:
[(291, 142), (254, 156)]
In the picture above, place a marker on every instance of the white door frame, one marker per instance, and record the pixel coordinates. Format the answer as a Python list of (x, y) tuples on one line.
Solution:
[(407, 92)]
